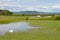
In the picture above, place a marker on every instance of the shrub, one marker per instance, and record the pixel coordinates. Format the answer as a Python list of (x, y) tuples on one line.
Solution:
[(27, 18), (58, 18)]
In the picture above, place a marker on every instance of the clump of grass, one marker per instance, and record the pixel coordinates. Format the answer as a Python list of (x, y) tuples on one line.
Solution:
[(58, 29)]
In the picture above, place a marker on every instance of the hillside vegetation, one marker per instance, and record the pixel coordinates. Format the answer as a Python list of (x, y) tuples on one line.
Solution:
[(5, 12)]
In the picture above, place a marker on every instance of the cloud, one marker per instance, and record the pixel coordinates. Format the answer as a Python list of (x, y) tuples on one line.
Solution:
[(36, 8), (56, 6), (11, 5), (26, 5)]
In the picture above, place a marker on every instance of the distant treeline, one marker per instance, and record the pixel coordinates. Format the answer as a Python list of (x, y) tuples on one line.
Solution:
[(8, 13), (5, 12)]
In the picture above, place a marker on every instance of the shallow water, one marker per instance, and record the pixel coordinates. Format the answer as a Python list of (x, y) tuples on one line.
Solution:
[(17, 26)]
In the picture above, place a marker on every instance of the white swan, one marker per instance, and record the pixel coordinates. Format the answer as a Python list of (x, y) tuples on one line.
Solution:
[(11, 30)]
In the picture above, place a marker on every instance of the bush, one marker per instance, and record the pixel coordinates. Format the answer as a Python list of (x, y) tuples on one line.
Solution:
[(58, 18), (27, 18)]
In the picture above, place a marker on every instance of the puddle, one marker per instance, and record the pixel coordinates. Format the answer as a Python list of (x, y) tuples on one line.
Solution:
[(17, 26)]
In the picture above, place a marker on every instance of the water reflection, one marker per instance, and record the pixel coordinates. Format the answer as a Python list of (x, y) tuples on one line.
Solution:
[(17, 26)]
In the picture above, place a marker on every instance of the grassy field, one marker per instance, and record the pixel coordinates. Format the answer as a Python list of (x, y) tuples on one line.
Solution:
[(8, 19), (50, 30)]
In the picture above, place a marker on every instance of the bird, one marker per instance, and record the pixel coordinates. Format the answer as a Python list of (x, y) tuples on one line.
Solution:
[(11, 31)]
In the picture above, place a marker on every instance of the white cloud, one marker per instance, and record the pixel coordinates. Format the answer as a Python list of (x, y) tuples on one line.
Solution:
[(7, 4), (14, 5), (28, 9), (56, 6), (36, 8), (11, 5)]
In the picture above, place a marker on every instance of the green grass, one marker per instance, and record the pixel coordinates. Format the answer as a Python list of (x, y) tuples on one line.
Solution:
[(8, 19), (32, 35), (44, 23), (50, 30)]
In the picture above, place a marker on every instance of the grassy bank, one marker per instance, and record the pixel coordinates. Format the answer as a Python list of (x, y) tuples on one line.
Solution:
[(44, 23), (8, 19), (50, 30)]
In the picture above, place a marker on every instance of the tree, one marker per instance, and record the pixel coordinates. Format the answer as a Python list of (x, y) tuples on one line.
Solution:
[(5, 12)]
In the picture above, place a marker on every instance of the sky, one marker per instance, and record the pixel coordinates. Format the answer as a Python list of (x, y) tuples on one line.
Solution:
[(30, 5)]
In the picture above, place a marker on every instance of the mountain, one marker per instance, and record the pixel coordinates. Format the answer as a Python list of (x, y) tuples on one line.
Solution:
[(35, 12), (29, 12)]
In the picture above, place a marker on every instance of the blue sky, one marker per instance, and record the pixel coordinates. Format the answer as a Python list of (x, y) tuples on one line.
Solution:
[(30, 5)]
